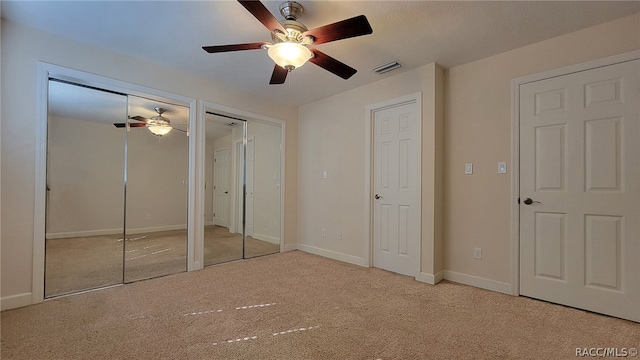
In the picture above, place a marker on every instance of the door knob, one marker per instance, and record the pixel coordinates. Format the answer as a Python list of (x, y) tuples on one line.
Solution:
[(529, 201), (377, 196)]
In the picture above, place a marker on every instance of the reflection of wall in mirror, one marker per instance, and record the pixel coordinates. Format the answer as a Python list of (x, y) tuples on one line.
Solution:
[(266, 182), (85, 178), (85, 175), (157, 183)]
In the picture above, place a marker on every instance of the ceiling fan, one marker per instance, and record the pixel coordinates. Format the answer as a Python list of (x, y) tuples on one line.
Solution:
[(157, 125), (292, 41)]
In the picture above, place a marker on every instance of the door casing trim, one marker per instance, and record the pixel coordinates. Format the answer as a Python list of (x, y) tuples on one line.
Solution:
[(515, 144)]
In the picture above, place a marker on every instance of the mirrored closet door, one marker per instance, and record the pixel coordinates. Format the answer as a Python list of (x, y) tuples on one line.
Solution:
[(224, 166), (156, 190), (85, 189), (116, 203), (242, 189)]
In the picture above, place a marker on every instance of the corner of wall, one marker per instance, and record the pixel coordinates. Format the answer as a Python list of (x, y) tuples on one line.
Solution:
[(438, 250)]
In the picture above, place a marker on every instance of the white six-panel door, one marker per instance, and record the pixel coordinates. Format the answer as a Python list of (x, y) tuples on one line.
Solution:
[(580, 190), (396, 168)]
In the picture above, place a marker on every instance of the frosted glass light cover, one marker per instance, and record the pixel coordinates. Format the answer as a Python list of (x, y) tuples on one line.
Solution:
[(159, 129), (289, 55)]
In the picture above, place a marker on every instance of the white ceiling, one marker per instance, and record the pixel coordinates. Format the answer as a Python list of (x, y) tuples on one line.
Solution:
[(414, 33)]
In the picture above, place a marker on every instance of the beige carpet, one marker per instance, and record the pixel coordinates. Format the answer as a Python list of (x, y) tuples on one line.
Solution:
[(80, 263), (300, 306)]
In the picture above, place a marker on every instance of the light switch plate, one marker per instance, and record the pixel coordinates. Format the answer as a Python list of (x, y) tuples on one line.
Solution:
[(502, 168), (325, 174), (468, 168)]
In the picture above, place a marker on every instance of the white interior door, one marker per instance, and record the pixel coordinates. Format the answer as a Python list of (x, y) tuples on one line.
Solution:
[(580, 174), (221, 187), (396, 166)]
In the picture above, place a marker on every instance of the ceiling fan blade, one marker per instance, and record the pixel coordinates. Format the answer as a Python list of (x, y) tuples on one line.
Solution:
[(234, 47), (121, 125), (356, 26), (138, 118), (184, 131), (330, 64), (257, 9), (279, 75)]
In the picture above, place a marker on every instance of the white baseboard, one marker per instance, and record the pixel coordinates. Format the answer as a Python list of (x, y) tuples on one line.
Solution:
[(332, 254), (430, 278), (86, 233), (290, 247), (267, 238), (15, 301), (478, 282)]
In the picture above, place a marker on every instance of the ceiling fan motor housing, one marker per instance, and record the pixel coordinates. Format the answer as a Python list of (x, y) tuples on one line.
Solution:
[(291, 10)]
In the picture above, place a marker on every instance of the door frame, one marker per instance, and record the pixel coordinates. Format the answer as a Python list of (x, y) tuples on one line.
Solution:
[(46, 71), (515, 144), (369, 176)]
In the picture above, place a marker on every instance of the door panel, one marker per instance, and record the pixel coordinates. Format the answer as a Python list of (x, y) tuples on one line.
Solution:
[(579, 149), (221, 187), (156, 194), (396, 228), (85, 183), (223, 238), (263, 214)]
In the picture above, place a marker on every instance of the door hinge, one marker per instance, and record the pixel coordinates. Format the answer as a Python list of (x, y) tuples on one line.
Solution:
[(518, 200)]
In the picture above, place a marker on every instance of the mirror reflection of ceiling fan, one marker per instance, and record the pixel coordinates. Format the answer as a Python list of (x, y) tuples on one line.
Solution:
[(292, 41), (158, 125)]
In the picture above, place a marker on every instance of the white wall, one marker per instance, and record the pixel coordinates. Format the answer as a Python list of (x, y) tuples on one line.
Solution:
[(22, 48), (459, 212), (332, 137), (478, 130)]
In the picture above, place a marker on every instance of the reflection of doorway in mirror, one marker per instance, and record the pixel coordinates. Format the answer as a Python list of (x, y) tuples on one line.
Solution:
[(221, 187)]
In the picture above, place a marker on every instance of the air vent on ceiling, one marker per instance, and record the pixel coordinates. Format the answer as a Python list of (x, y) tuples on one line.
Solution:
[(386, 67)]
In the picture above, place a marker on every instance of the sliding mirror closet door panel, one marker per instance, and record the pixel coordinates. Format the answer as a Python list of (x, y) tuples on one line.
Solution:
[(224, 164), (85, 189), (156, 189), (263, 189)]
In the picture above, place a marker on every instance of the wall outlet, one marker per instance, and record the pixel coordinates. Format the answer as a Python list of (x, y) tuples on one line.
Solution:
[(324, 232), (477, 253), (502, 168), (339, 235)]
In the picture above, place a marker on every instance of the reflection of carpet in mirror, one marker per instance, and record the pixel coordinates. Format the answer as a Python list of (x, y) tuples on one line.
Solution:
[(220, 246), (80, 263)]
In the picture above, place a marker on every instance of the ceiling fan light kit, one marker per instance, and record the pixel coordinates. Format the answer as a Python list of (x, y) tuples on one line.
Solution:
[(159, 125), (289, 55), (292, 41)]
